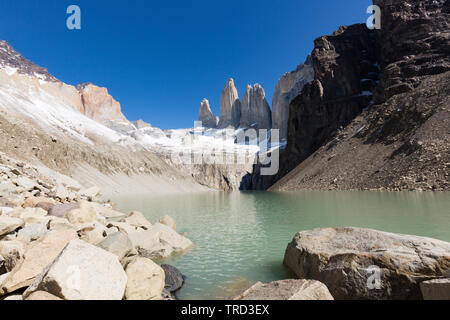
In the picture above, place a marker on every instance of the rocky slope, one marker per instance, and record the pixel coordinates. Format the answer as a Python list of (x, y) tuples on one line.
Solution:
[(51, 228), (376, 115), (46, 122)]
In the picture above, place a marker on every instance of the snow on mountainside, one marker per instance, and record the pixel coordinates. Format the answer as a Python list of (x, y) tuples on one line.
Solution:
[(91, 115)]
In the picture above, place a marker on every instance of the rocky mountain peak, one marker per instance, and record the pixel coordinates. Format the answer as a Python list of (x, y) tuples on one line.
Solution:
[(255, 110), (206, 116), (230, 106), (12, 61), (99, 105)]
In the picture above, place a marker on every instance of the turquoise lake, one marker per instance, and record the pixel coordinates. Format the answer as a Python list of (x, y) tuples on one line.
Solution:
[(240, 238)]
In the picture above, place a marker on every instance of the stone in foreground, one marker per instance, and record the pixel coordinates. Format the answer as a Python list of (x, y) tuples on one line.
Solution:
[(82, 272), (145, 280), (9, 224), (42, 296), (118, 244), (287, 290), (367, 264), (36, 257), (438, 289)]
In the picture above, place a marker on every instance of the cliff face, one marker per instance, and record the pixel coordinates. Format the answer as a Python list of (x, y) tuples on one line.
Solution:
[(288, 88), (339, 139), (345, 67), (99, 105)]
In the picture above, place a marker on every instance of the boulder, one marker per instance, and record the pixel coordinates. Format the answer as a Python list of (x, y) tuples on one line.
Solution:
[(137, 219), (122, 226), (31, 202), (5, 203), (118, 244), (31, 215), (12, 252), (56, 223), (92, 232), (61, 210), (106, 212), (32, 232), (6, 211), (438, 289), (91, 192), (61, 192), (85, 213), (45, 206), (9, 224), (3, 277), (174, 278), (25, 183), (37, 256), (159, 241), (14, 297), (367, 264), (287, 290), (168, 221), (145, 280), (42, 296), (82, 272)]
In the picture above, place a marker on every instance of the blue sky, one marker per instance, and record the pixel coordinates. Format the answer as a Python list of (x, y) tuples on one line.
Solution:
[(159, 59)]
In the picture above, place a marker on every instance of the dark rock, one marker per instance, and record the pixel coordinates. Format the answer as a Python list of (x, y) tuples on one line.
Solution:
[(174, 278)]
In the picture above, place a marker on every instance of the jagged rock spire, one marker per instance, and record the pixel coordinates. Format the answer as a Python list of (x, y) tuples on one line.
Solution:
[(230, 106), (255, 110), (206, 116)]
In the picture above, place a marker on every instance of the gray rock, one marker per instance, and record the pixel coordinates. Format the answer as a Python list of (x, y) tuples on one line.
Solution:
[(25, 183), (32, 232), (158, 242), (61, 210), (12, 252), (230, 106), (287, 290), (438, 289), (118, 244), (367, 264), (255, 111), (206, 116), (289, 86)]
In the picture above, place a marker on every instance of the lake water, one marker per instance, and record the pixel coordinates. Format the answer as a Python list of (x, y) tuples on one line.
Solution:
[(240, 238)]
